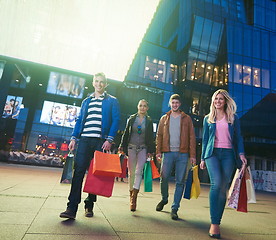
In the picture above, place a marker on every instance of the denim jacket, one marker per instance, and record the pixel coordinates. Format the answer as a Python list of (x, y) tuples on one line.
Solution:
[(110, 117), (208, 139)]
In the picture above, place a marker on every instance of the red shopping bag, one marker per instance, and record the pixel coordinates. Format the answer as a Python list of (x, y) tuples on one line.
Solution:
[(242, 203), (123, 160), (106, 164), (98, 185), (154, 170)]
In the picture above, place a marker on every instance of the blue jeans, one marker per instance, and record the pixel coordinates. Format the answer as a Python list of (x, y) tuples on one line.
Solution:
[(85, 152), (180, 161), (220, 167)]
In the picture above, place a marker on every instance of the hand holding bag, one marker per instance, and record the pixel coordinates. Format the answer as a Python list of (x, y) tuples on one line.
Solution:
[(154, 170), (67, 173), (123, 161), (195, 190), (147, 177), (98, 185), (188, 187), (106, 164)]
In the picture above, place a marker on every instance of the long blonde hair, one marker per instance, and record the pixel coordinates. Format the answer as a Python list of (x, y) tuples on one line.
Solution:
[(230, 107)]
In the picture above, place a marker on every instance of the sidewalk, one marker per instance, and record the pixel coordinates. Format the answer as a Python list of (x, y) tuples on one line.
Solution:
[(31, 199)]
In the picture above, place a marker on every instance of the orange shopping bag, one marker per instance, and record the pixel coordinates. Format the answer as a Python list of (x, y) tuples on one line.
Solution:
[(154, 170), (106, 164)]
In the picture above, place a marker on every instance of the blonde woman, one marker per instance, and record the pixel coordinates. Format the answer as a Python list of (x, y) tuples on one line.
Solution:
[(222, 150), (137, 142)]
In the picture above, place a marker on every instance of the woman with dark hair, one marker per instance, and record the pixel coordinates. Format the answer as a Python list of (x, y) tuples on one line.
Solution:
[(137, 142)]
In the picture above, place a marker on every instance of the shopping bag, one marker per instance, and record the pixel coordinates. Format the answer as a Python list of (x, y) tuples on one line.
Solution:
[(98, 185), (188, 187), (242, 203), (147, 177), (67, 173), (233, 183), (234, 197), (123, 161), (250, 190), (106, 164), (195, 190), (154, 170)]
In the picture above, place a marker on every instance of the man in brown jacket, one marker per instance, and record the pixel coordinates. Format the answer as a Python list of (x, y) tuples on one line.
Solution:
[(175, 143)]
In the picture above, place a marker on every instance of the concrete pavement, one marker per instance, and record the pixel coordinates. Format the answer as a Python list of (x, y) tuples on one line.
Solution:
[(31, 199)]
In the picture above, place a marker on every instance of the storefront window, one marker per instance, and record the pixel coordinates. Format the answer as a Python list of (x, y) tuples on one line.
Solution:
[(199, 71), (238, 73), (183, 71), (215, 76), (172, 78), (155, 69), (256, 77), (20, 77), (246, 75), (195, 106), (208, 74)]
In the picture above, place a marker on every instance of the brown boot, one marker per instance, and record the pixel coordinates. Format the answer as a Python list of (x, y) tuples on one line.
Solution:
[(130, 195), (133, 200)]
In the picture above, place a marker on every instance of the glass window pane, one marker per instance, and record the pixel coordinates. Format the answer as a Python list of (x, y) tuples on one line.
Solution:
[(215, 38), (246, 75), (161, 71), (256, 99), (215, 77), (230, 38), (256, 44), (230, 74), (206, 35), (197, 32), (247, 102), (256, 77), (183, 71), (238, 40), (273, 76), (247, 38), (199, 71), (172, 78), (265, 46), (208, 74), (238, 73), (265, 78), (273, 46)]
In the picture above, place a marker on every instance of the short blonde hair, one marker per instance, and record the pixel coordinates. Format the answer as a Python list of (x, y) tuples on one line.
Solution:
[(175, 97), (100, 74)]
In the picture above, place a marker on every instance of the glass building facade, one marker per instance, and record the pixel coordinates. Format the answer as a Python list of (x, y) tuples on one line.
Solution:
[(195, 47), (191, 47)]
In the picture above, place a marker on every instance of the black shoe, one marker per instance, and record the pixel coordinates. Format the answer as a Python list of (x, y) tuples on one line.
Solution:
[(174, 215), (217, 236), (89, 212), (68, 214), (160, 205)]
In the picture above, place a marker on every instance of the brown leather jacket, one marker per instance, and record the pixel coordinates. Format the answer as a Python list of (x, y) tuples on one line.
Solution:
[(187, 135)]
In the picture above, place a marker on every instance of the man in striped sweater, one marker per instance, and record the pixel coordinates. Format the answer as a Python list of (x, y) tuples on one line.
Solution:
[(96, 127)]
